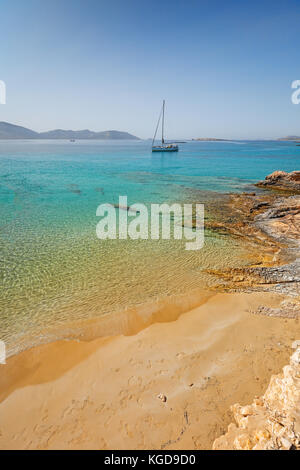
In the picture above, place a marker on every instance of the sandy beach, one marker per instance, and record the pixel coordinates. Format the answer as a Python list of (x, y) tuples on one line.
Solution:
[(149, 228), (170, 386)]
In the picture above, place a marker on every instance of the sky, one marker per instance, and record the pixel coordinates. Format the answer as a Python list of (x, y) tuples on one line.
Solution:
[(225, 69)]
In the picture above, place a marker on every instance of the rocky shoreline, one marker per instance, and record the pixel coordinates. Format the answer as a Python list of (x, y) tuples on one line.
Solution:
[(272, 421), (270, 224), (282, 181)]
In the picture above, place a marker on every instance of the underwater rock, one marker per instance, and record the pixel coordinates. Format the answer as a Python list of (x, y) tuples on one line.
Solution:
[(73, 188), (99, 190), (126, 208)]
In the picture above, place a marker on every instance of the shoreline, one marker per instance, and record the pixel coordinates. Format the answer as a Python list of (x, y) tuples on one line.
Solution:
[(85, 280), (128, 321), (164, 376)]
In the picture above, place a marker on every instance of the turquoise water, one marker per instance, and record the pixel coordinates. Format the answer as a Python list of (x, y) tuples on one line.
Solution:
[(53, 268)]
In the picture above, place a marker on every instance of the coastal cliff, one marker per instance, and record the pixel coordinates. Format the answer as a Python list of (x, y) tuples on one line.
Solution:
[(272, 421)]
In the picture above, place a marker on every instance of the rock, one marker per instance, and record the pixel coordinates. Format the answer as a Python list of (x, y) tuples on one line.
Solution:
[(286, 444), (269, 224), (282, 181), (246, 411), (272, 422), (295, 359), (162, 397), (276, 175)]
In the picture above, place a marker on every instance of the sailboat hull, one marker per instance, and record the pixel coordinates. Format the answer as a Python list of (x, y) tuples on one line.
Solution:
[(165, 149)]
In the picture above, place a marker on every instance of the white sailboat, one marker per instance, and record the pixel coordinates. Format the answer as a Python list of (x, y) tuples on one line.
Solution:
[(163, 147)]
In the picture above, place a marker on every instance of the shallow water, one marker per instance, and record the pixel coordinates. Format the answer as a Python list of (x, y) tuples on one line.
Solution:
[(53, 267)]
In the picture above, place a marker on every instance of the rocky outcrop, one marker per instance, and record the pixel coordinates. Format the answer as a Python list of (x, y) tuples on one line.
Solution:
[(272, 421), (282, 220), (270, 224), (280, 180)]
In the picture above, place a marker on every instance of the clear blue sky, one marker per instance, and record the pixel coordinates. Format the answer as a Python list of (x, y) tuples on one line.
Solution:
[(224, 67)]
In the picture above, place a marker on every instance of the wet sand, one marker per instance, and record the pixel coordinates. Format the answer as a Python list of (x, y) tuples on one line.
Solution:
[(169, 386)]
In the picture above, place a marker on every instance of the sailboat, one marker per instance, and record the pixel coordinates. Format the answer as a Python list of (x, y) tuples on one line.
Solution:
[(164, 147)]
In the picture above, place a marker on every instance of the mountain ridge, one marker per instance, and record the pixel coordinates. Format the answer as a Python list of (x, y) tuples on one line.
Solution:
[(10, 131)]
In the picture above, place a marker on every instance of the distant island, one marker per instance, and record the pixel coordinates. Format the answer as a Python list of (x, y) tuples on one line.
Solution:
[(290, 137), (210, 139), (11, 131)]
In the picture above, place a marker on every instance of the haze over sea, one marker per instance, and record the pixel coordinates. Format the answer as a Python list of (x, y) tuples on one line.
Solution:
[(55, 271)]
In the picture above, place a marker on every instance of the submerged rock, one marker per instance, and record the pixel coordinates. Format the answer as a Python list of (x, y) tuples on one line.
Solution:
[(271, 422)]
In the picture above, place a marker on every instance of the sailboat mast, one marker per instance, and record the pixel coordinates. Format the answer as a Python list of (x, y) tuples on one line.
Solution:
[(163, 147), (163, 124)]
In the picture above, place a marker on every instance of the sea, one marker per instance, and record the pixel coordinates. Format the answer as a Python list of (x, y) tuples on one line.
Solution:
[(56, 273)]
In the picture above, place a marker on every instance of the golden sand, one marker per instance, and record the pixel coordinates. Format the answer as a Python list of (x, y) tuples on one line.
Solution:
[(169, 386)]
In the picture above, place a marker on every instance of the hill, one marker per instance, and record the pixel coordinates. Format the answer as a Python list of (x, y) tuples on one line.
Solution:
[(11, 131)]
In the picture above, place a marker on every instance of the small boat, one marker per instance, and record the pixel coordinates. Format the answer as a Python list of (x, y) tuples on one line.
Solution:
[(164, 147), (72, 140)]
